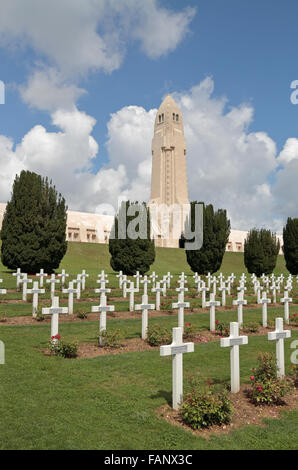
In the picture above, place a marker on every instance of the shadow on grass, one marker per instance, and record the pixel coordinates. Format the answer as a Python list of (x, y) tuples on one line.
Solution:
[(167, 396)]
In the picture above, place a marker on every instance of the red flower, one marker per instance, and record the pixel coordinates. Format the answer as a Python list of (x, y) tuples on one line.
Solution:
[(217, 322), (57, 336), (260, 389), (187, 324), (252, 377)]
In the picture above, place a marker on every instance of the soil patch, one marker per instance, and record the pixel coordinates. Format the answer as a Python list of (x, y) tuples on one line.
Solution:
[(245, 413)]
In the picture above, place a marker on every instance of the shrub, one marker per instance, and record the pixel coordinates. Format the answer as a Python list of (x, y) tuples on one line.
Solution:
[(216, 231), (261, 248), (294, 375), (3, 318), (69, 350), (189, 332), (267, 388), (157, 335), (204, 407), (251, 328), (294, 319), (222, 328), (110, 339), (39, 316), (82, 314), (34, 225), (290, 248), (166, 305), (130, 255)]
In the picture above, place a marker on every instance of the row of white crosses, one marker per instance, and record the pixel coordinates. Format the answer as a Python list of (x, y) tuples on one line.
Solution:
[(22, 278), (177, 348)]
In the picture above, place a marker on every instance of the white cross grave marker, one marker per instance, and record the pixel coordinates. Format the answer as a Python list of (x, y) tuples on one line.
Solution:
[(18, 275), (103, 308), (286, 300), (120, 276), (63, 275), (131, 290), (124, 283), (168, 278), (25, 281), (177, 349), (240, 302), (70, 291), (223, 290), (273, 288), (52, 281), (138, 277), (84, 275), (204, 289), (264, 302), (144, 306), (145, 281), (157, 291), (78, 282), (41, 275), (212, 304), (35, 291), (233, 342), (55, 311), (153, 277), (279, 335), (181, 291), (181, 305), (102, 291)]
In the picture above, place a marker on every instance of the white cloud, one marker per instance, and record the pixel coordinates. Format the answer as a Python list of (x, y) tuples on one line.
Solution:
[(71, 38), (47, 90), (78, 36), (289, 152), (159, 30)]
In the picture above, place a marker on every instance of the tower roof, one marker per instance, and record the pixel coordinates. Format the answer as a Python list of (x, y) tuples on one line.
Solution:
[(168, 111), (169, 104)]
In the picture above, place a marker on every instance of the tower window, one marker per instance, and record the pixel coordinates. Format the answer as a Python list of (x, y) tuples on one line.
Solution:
[(162, 117), (173, 116), (159, 118), (177, 117)]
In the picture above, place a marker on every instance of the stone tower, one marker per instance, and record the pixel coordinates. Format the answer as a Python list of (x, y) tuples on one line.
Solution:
[(169, 179)]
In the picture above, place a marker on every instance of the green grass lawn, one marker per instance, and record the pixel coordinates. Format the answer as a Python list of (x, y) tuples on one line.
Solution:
[(95, 257), (110, 402)]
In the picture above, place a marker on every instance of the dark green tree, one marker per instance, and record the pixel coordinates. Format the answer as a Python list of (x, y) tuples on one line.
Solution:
[(216, 231), (261, 248), (290, 247), (130, 245), (34, 225)]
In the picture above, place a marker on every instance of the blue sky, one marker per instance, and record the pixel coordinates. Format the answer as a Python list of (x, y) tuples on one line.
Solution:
[(248, 49)]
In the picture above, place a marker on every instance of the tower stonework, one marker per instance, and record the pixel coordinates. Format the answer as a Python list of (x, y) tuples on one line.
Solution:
[(169, 177)]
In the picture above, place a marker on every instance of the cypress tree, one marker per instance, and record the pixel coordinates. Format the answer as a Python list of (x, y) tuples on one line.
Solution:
[(130, 245), (34, 225), (290, 247), (261, 248), (216, 231)]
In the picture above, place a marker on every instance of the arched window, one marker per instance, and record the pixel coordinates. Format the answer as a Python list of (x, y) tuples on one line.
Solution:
[(159, 118), (162, 117), (173, 116), (177, 117)]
